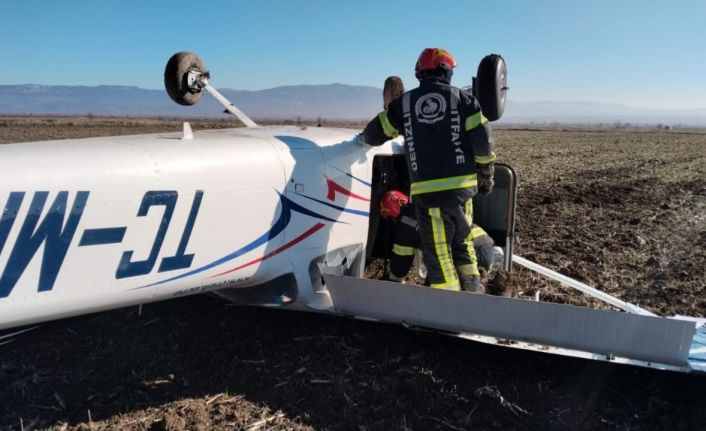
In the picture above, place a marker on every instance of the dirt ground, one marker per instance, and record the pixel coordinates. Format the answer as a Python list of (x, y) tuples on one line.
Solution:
[(622, 211)]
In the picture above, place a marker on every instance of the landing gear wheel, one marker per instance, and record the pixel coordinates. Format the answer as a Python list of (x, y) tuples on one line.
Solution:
[(176, 74), (491, 86)]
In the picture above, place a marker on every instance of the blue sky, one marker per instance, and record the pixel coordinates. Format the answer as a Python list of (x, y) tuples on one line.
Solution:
[(641, 53)]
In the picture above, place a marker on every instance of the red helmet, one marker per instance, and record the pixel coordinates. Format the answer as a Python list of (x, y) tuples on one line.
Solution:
[(391, 203), (432, 59)]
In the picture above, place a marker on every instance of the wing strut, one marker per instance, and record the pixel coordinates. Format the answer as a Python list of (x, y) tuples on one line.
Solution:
[(566, 281)]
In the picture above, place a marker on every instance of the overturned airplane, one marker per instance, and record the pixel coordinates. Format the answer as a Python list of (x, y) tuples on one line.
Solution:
[(279, 217)]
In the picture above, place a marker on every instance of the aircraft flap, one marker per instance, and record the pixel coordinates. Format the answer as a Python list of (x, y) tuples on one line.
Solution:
[(612, 333)]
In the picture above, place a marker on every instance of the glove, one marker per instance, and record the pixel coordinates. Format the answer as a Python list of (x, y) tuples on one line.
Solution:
[(485, 178)]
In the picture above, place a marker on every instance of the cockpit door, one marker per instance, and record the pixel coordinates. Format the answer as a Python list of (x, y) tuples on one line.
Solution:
[(495, 212)]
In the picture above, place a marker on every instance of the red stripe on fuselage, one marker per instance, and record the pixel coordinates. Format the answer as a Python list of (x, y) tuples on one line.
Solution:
[(334, 187), (291, 243)]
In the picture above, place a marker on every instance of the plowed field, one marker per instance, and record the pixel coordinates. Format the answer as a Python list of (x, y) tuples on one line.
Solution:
[(622, 211)]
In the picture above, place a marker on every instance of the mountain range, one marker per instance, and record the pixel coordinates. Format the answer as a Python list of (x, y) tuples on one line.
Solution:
[(332, 101)]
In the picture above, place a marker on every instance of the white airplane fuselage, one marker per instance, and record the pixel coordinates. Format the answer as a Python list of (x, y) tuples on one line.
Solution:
[(100, 223)]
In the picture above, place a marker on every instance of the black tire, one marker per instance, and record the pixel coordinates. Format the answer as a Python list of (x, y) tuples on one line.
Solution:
[(491, 86), (175, 76)]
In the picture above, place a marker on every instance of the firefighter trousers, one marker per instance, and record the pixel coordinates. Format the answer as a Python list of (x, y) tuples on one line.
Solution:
[(405, 239), (447, 246)]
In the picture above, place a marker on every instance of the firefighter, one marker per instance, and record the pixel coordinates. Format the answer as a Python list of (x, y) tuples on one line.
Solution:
[(450, 158), (393, 88), (484, 246), (395, 206)]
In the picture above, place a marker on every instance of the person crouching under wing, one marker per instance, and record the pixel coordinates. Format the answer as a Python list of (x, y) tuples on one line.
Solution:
[(395, 207)]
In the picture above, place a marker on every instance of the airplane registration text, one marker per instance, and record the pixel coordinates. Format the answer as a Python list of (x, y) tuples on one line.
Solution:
[(55, 228)]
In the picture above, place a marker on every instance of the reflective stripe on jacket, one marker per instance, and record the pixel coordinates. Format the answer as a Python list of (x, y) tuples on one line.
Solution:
[(445, 134)]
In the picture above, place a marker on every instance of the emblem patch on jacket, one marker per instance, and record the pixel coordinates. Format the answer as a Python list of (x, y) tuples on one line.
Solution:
[(430, 108)]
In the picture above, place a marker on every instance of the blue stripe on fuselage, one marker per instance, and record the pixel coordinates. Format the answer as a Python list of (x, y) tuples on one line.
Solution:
[(348, 210), (285, 216)]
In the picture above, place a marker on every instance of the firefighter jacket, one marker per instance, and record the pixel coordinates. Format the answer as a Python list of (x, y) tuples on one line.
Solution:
[(445, 136), (405, 239)]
